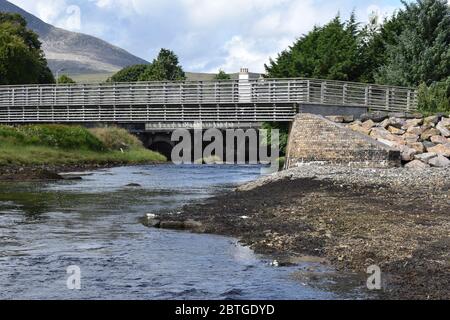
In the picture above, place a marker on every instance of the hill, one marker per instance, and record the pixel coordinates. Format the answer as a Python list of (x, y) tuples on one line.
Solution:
[(75, 53)]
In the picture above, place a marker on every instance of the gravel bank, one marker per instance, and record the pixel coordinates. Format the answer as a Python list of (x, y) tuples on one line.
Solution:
[(398, 219)]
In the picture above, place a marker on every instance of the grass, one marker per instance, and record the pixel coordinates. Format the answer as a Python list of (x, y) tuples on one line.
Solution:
[(71, 145), (91, 77)]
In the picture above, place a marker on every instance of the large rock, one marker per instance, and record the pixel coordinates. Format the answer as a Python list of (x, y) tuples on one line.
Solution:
[(443, 128), (369, 124), (377, 116), (348, 118), (428, 145), (395, 130), (380, 133), (412, 123), (389, 143), (439, 139), (441, 149), (397, 122), (417, 165), (407, 153), (431, 120), (445, 122), (418, 146), (410, 137), (425, 157), (439, 161), (427, 134), (394, 122), (415, 130), (359, 128)]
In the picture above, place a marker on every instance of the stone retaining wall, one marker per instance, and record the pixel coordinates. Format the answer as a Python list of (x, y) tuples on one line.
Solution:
[(422, 141)]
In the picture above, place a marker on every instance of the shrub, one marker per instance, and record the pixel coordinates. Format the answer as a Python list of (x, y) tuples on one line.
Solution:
[(435, 98), (114, 138), (57, 136)]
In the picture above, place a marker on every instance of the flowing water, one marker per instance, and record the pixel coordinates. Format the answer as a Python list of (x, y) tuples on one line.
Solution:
[(95, 224)]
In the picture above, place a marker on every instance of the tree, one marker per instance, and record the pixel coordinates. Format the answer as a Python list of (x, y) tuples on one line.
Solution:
[(21, 59), (129, 74), (374, 39), (165, 67), (328, 52), (421, 52), (63, 79), (222, 76)]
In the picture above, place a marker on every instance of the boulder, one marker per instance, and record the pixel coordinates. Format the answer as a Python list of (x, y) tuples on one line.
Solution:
[(417, 165), (443, 128), (395, 130), (425, 157), (369, 124), (439, 161), (410, 137), (348, 118), (380, 133), (394, 122), (397, 122), (427, 134), (441, 149), (385, 123), (439, 139), (389, 143), (134, 185), (431, 120), (427, 126), (407, 153), (445, 122), (415, 130), (428, 145), (377, 116), (412, 123), (359, 128), (418, 146)]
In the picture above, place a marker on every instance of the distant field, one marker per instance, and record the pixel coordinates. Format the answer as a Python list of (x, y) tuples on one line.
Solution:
[(191, 76), (91, 78)]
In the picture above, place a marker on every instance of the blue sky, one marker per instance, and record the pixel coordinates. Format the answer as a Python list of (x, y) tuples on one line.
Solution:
[(207, 35)]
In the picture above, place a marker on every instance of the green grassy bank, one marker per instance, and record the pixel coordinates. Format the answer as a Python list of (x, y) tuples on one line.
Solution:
[(71, 145)]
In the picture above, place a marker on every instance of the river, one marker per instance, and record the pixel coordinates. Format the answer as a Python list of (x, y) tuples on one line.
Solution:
[(94, 223)]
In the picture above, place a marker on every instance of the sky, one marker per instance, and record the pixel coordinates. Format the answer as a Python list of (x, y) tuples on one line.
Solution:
[(207, 35)]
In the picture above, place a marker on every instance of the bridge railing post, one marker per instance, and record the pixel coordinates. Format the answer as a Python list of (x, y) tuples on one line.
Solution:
[(344, 94), (366, 96), (323, 87), (308, 91), (388, 93)]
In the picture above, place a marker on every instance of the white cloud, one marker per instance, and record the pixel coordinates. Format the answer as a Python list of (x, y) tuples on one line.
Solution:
[(206, 34)]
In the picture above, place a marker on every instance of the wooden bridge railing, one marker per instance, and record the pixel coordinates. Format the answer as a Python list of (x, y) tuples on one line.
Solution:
[(233, 100)]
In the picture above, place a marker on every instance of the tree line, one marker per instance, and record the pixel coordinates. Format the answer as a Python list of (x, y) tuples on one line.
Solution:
[(410, 48)]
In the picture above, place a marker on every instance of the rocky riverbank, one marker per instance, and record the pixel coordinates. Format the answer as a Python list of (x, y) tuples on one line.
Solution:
[(422, 141), (395, 218)]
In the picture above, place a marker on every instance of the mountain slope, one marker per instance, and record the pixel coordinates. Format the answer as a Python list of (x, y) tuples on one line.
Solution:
[(74, 53)]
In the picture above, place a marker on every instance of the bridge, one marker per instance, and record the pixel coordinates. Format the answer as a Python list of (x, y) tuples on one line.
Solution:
[(223, 104)]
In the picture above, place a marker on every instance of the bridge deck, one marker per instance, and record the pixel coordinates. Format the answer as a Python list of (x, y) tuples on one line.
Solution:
[(219, 101)]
